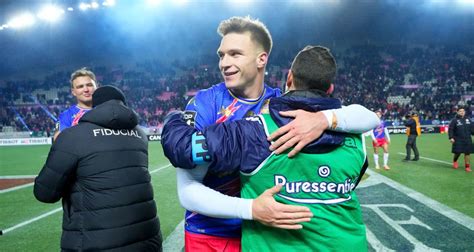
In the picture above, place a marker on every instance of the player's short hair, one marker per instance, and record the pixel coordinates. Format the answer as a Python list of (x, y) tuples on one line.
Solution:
[(258, 31), (82, 72), (461, 107), (314, 67)]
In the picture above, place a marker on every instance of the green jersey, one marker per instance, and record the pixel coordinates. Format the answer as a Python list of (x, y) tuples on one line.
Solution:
[(322, 182)]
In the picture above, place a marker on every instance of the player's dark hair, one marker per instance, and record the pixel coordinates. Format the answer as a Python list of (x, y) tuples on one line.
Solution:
[(258, 31), (82, 72), (314, 68)]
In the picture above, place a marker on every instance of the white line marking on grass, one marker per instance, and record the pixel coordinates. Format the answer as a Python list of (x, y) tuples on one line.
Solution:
[(375, 243), (454, 215), (175, 241), (30, 184), (16, 188), (160, 168), (53, 211), (31, 220), (18, 177), (430, 159)]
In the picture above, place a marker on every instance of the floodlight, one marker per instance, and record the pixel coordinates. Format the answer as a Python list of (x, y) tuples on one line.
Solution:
[(84, 6), (108, 3), (22, 21), (50, 13)]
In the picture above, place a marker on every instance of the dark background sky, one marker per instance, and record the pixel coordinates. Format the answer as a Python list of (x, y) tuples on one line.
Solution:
[(132, 30)]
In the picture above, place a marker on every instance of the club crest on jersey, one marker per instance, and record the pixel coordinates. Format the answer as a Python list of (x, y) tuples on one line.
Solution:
[(227, 112), (190, 117)]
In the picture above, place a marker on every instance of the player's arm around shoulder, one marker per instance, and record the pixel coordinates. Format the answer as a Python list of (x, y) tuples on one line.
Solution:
[(238, 145), (176, 140), (354, 118), (58, 170), (309, 126)]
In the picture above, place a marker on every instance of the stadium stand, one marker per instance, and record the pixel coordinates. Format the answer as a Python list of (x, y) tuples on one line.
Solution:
[(396, 78)]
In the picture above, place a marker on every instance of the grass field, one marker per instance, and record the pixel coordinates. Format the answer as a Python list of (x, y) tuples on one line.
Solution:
[(44, 235), (433, 178)]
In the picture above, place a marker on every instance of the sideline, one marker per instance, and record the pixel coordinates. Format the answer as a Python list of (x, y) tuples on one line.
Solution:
[(430, 159), (175, 241), (3, 232), (27, 222), (16, 188), (18, 177)]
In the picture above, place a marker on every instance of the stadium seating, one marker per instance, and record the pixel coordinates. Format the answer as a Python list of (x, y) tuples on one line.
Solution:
[(397, 79)]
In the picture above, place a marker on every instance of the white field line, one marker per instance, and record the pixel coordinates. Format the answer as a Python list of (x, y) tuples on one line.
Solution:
[(16, 188), (33, 176), (30, 221), (160, 168), (430, 159), (18, 176), (452, 214), (27, 222)]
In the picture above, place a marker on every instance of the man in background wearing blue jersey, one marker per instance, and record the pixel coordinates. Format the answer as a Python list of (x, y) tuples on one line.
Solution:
[(83, 85), (243, 55)]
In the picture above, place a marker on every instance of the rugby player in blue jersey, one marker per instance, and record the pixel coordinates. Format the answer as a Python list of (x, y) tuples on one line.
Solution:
[(214, 209), (83, 85)]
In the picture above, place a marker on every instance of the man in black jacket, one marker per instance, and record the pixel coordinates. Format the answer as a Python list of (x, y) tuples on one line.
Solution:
[(460, 131), (100, 170), (413, 131)]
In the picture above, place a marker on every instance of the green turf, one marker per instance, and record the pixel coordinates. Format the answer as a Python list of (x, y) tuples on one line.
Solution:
[(21, 206), (22, 160), (44, 235), (438, 181)]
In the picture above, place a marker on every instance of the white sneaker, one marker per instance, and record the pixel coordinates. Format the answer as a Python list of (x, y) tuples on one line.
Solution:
[(377, 167)]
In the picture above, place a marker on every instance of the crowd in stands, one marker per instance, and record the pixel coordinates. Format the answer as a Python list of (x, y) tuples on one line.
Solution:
[(431, 81), (400, 79)]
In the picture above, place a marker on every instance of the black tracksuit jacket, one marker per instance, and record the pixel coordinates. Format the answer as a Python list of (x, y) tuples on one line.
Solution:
[(99, 168)]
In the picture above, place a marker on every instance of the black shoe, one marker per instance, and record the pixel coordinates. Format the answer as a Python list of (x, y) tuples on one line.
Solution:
[(415, 159), (405, 159)]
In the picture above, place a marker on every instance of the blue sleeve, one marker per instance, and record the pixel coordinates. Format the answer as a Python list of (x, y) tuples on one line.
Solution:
[(200, 111), (228, 146), (176, 140), (239, 145)]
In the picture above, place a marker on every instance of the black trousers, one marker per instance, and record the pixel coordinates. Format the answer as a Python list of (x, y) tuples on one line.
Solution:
[(411, 144)]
